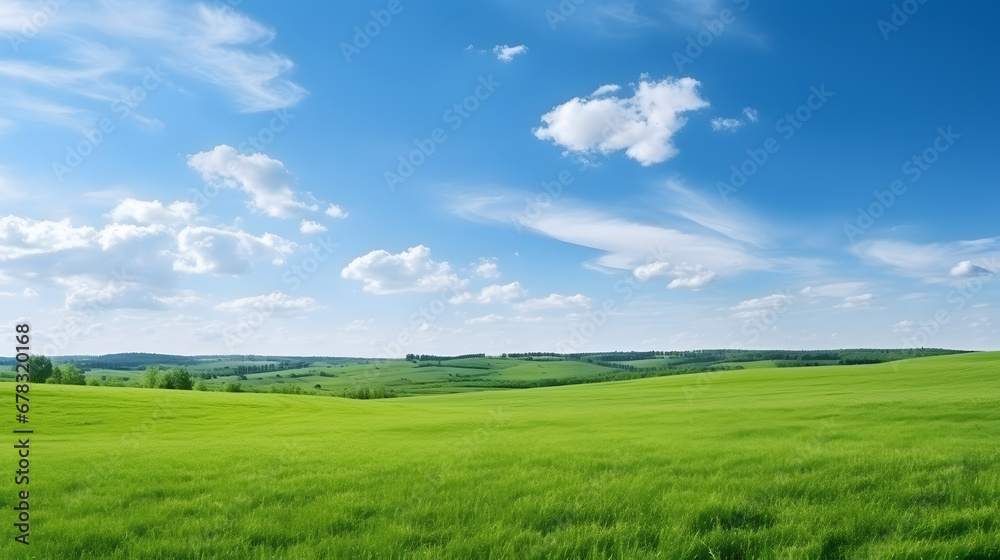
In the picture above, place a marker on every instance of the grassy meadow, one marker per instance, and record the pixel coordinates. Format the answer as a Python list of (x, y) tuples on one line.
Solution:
[(893, 460)]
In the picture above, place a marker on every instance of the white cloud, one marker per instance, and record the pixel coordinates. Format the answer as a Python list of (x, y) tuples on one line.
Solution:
[(96, 52), (153, 212), (934, 262), (652, 270), (751, 114), (850, 302), (184, 298), (605, 90), (311, 228), (836, 289), (413, 270), (906, 327), (485, 320), (266, 180), (501, 294), (487, 268), (203, 250), (643, 125), (460, 298), (359, 325), (556, 301), (719, 123), (335, 211), (26, 293), (113, 234), (689, 276), (21, 237), (693, 259), (276, 304), (506, 54), (757, 307), (966, 268)]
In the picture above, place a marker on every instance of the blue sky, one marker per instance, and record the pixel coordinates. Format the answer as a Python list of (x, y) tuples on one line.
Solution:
[(390, 177)]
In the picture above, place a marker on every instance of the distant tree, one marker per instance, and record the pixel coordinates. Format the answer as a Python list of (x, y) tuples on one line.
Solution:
[(39, 368), (72, 375), (177, 378), (93, 382), (151, 378), (200, 386), (56, 376)]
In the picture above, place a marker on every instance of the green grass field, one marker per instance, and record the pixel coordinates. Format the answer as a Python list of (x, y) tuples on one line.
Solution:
[(407, 378), (894, 460)]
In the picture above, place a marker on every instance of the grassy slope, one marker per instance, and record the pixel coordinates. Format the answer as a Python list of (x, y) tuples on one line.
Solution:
[(890, 460)]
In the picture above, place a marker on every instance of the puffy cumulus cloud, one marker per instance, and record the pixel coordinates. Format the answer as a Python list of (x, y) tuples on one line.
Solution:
[(966, 268), (203, 250), (20, 237), (412, 270), (265, 180), (311, 228), (335, 211), (153, 212), (556, 301), (506, 53), (487, 268), (113, 234), (851, 302), (276, 304), (732, 125), (688, 276), (501, 294), (181, 299), (652, 270), (643, 125), (87, 293), (684, 275)]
